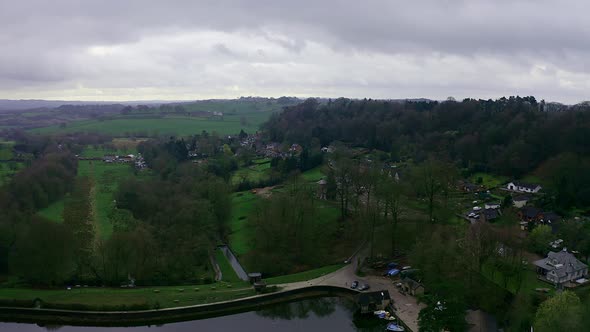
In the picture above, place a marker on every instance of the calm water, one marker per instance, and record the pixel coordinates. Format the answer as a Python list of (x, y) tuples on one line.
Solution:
[(325, 314)]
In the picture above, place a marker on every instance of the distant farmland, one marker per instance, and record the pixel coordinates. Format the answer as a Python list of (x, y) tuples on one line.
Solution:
[(175, 125)]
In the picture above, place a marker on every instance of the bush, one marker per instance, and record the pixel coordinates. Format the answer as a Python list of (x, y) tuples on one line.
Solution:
[(17, 303)]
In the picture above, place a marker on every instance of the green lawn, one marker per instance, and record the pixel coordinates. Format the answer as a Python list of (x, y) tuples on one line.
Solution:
[(313, 175), (303, 276), (254, 173), (164, 297), (54, 212), (240, 238), (528, 284), (227, 272), (489, 180), (178, 125)]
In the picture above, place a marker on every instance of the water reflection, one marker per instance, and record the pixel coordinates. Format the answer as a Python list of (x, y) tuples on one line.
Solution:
[(320, 307), (321, 314)]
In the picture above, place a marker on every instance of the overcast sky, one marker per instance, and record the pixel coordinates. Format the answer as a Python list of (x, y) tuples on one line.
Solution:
[(196, 49)]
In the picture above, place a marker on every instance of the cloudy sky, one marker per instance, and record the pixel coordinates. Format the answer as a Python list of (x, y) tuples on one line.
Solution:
[(195, 49)]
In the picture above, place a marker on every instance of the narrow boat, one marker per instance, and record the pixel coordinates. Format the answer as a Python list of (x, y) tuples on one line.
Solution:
[(394, 327)]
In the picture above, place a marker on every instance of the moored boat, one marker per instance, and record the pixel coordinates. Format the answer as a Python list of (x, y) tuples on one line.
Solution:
[(394, 327)]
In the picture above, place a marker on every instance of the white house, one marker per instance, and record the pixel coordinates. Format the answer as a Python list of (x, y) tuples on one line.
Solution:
[(523, 187)]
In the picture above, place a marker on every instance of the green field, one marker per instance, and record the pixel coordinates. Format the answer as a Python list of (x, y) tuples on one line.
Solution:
[(152, 297), (177, 125), (303, 276), (54, 212), (240, 237), (99, 152), (105, 178), (260, 170)]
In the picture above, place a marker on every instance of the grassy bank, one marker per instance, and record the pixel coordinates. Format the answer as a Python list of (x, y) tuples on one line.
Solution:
[(139, 298), (227, 272), (303, 276), (240, 237)]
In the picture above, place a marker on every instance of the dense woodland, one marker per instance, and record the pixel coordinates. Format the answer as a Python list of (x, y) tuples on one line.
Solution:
[(509, 136), (164, 226)]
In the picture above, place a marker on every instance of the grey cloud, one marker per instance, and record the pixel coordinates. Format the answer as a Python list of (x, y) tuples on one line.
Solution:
[(47, 41)]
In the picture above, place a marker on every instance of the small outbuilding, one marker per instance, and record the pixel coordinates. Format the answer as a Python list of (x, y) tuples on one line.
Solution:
[(255, 277), (412, 287), (373, 301)]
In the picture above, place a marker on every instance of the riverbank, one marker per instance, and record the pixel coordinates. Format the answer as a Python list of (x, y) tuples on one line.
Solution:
[(160, 316)]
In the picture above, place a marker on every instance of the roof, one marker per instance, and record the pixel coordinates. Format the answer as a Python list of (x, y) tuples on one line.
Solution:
[(522, 198), (530, 211), (561, 262), (412, 284), (491, 214), (322, 182), (530, 186), (366, 298)]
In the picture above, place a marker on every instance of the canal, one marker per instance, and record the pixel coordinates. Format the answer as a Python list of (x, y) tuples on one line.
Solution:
[(322, 314)]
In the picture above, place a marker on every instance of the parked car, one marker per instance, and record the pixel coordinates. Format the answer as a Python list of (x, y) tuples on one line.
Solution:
[(393, 272), (354, 284), (364, 287), (392, 265), (407, 267)]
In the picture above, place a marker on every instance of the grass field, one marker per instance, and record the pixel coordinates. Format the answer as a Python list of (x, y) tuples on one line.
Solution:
[(54, 212), (258, 171), (99, 152), (178, 125), (164, 297), (105, 178), (303, 276), (240, 237)]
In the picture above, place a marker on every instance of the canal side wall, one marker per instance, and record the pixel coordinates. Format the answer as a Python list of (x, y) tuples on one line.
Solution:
[(160, 316)]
